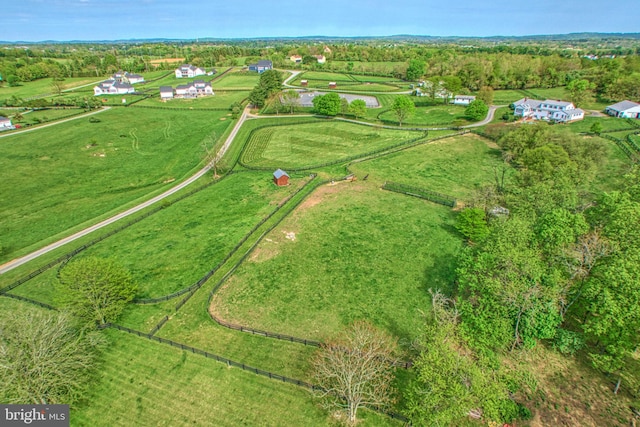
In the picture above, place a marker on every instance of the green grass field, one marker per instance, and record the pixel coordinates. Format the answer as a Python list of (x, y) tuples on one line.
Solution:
[(178, 245), (236, 80), (82, 170), (455, 166), (316, 143), (43, 86), (350, 251), (145, 383), (439, 115), (37, 116), (221, 99)]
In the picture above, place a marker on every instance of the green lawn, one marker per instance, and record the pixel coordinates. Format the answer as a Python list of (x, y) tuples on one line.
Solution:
[(350, 251), (236, 80), (175, 247), (221, 99), (455, 166), (316, 143), (43, 86), (145, 383), (442, 115), (324, 76), (35, 117), (508, 96), (65, 175)]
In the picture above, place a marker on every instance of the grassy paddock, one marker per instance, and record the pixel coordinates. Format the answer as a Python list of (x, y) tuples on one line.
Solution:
[(236, 80), (442, 115), (454, 166), (309, 144), (221, 99), (350, 251), (83, 169), (176, 247), (43, 86)]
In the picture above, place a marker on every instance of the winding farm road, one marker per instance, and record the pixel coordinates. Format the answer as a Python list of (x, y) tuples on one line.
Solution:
[(31, 129), (20, 261)]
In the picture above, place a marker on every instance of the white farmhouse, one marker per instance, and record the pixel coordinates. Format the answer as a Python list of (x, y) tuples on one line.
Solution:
[(194, 89), (549, 110), (463, 99), (127, 77), (112, 87), (188, 71), (166, 92), (624, 109), (5, 123)]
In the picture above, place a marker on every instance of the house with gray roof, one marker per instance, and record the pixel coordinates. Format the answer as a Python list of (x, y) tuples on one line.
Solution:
[(194, 89), (624, 109), (261, 66), (463, 99), (188, 71), (112, 87), (127, 77), (5, 123), (548, 110), (166, 92)]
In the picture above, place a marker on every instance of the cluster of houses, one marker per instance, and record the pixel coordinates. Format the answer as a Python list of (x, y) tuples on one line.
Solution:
[(195, 89), (120, 83), (5, 124), (188, 71)]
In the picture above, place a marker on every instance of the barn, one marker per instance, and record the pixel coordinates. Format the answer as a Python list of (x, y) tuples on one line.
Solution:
[(280, 178)]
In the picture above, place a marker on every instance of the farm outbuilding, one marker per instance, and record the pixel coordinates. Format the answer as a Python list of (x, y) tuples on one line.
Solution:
[(332, 85), (280, 178)]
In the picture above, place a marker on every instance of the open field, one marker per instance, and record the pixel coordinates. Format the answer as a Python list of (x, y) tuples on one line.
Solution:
[(221, 99), (349, 252), (43, 86), (38, 116), (237, 80), (83, 170), (154, 384), (455, 166), (316, 143), (442, 115), (175, 247)]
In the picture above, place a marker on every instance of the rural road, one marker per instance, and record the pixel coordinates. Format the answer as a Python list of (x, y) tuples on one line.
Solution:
[(31, 129), (20, 261)]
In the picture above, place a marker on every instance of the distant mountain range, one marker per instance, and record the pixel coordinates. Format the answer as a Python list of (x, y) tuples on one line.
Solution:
[(325, 39)]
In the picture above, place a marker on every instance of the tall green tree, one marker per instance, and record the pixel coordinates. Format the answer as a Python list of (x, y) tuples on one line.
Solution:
[(96, 289), (358, 108), (477, 110), (580, 91), (416, 69), (403, 107), (328, 104)]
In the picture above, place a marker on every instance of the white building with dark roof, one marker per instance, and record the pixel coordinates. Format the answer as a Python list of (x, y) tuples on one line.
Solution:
[(261, 66), (195, 89), (549, 110), (463, 99), (112, 87), (624, 109), (188, 71)]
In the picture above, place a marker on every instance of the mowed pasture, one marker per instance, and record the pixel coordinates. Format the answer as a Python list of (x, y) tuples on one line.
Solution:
[(237, 80), (456, 166), (439, 115), (323, 141), (350, 251), (176, 246), (348, 82), (152, 384), (220, 99), (43, 86), (67, 175)]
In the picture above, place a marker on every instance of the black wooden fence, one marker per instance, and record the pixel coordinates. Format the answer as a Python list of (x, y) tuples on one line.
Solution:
[(422, 193), (244, 367)]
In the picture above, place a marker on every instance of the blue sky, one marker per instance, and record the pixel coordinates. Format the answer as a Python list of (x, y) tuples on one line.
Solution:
[(35, 20)]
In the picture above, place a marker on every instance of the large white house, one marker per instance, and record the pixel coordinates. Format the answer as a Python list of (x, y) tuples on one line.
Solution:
[(549, 109), (127, 77), (194, 89), (5, 123), (463, 99), (188, 71), (624, 109), (112, 87)]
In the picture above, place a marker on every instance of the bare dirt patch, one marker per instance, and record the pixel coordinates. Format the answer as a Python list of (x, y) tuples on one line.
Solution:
[(326, 191)]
